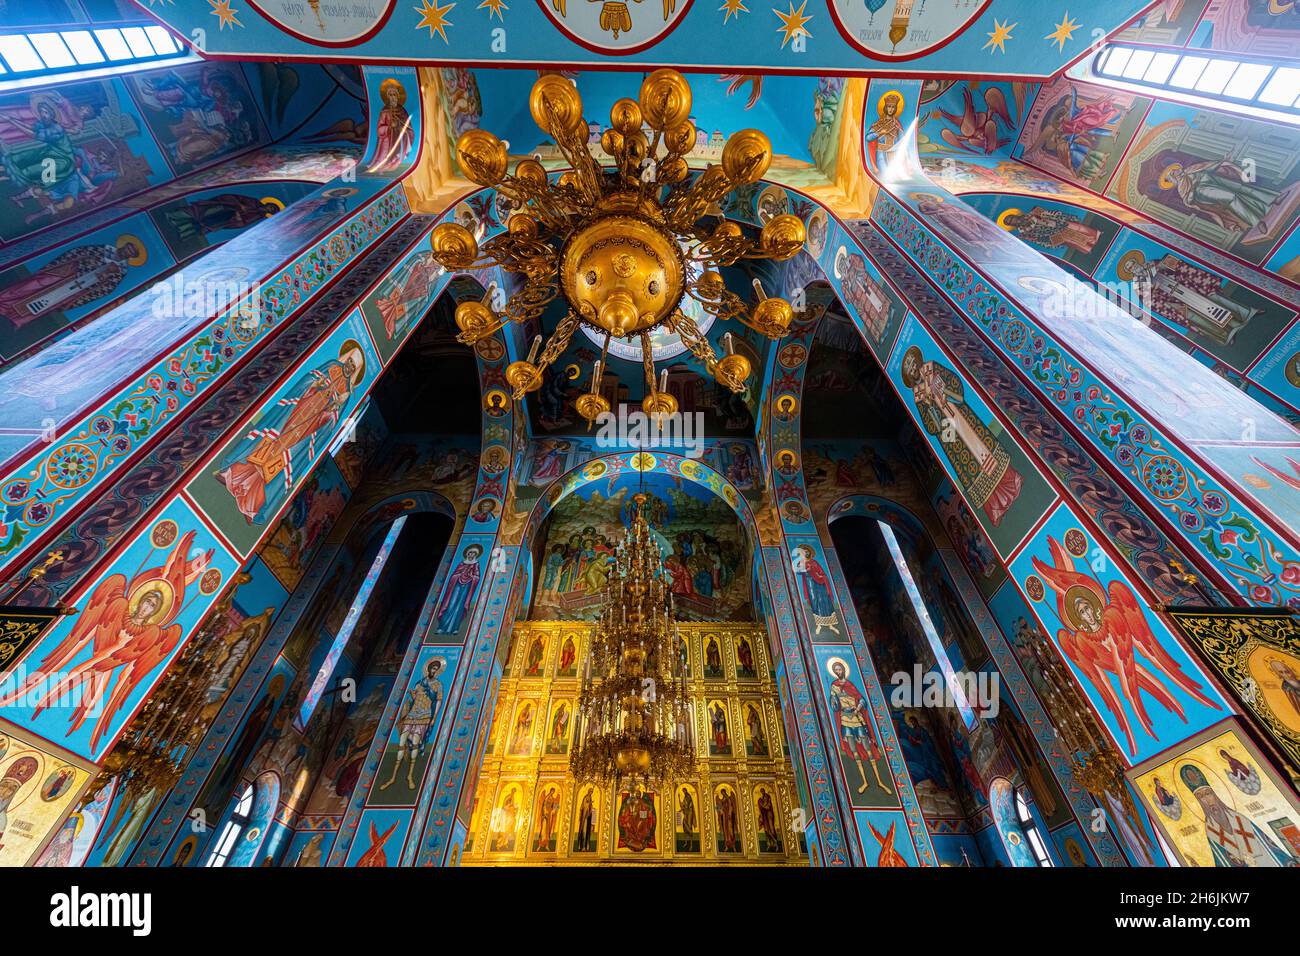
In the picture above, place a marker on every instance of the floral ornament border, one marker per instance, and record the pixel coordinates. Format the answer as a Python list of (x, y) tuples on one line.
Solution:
[(1128, 527), (786, 382), (813, 750), (37, 494), (194, 778), (1240, 545)]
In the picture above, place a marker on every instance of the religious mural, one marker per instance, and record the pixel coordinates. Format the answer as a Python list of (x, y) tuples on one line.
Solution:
[(1230, 321), (974, 117), (409, 747), (348, 749), (382, 834), (198, 113), (92, 139), (36, 789), (1185, 169), (736, 805), (255, 473), (460, 589), (402, 299), (1079, 132), (1257, 654), (59, 287), (298, 534), (143, 619), (1004, 489), (396, 127), (208, 218), (73, 839), (1080, 595), (346, 754), (1219, 804), (885, 839), (857, 739), (1075, 236), (704, 549)]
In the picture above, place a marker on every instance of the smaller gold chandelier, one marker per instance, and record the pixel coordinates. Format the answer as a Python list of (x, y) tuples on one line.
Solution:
[(616, 242), (633, 718)]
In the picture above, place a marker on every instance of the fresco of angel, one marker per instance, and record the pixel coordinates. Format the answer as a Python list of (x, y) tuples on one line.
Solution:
[(130, 629), (1105, 631)]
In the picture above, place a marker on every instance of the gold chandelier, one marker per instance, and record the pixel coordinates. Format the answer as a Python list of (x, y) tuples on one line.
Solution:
[(616, 242), (633, 716), (166, 733)]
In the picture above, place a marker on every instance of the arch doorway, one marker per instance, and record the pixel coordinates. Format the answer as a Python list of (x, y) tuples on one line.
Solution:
[(740, 802)]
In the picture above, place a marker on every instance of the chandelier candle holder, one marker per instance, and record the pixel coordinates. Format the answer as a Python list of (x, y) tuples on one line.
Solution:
[(1094, 762), (167, 731), (623, 245), (633, 719)]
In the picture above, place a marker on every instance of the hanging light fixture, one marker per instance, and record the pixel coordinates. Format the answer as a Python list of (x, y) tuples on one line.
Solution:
[(615, 242), (633, 717)]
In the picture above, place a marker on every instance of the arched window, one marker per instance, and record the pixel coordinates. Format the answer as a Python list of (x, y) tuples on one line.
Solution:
[(233, 828), (326, 670), (1030, 828)]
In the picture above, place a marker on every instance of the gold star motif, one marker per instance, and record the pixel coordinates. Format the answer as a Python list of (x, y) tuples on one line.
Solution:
[(225, 16), (495, 6), (434, 17), (733, 8), (792, 23), (1064, 31), (1000, 35)]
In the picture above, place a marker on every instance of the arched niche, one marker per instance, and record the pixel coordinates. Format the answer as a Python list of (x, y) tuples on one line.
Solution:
[(619, 476), (604, 467)]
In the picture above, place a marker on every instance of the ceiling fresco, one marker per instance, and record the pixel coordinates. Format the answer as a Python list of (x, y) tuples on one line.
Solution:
[(813, 36)]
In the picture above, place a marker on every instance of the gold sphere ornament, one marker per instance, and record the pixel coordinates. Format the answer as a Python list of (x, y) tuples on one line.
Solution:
[(710, 284), (784, 236), (625, 116), (482, 156), (665, 99), (732, 371), (555, 100), (673, 169), (522, 224), (531, 171), (772, 316), (453, 245), (746, 156), (637, 146), (474, 319), (727, 230), (680, 138), (611, 141), (622, 274)]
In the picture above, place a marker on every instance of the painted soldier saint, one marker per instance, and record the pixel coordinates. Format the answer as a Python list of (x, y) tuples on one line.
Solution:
[(416, 721)]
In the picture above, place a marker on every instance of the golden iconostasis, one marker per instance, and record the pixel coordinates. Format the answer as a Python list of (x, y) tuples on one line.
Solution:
[(738, 806)]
